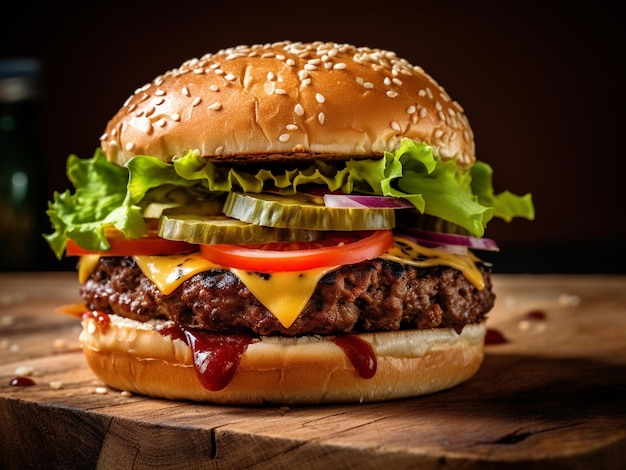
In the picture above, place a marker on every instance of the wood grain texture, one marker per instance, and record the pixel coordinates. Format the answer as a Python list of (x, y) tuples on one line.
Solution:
[(552, 396)]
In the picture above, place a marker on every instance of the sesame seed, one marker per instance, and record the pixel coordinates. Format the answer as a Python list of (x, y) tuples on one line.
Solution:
[(129, 146), (360, 81), (56, 384), (290, 62), (306, 82), (196, 101), (391, 93), (215, 106), (186, 91), (387, 81), (411, 109), (320, 98), (438, 133), (284, 137), (269, 87), (270, 75), (175, 117), (26, 371), (219, 150), (321, 117), (299, 110), (161, 122), (302, 74), (280, 91), (310, 67), (159, 101), (339, 66), (397, 81), (368, 85), (230, 77), (395, 126), (159, 93), (219, 71), (214, 88), (291, 127)]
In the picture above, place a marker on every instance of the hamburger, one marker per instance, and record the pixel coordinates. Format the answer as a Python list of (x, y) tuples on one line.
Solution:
[(285, 223)]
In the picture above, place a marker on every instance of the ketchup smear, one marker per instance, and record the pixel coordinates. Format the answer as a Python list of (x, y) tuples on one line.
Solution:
[(215, 356), (22, 382), (103, 320), (495, 337), (360, 354)]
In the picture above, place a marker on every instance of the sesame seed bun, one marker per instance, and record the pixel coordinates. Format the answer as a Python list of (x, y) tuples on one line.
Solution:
[(289, 101), (133, 356)]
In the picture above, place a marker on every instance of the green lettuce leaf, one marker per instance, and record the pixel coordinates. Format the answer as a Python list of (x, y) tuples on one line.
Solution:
[(109, 195), (506, 205), (99, 201)]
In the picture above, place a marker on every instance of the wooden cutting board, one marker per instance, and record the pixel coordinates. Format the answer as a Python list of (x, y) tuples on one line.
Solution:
[(552, 396)]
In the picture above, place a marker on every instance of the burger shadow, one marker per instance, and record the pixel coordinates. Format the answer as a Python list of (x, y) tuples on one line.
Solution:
[(521, 389)]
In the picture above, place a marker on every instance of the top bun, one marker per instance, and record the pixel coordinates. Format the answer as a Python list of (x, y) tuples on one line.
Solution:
[(289, 100)]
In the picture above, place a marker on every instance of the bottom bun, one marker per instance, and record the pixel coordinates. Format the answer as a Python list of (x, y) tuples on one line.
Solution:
[(136, 357)]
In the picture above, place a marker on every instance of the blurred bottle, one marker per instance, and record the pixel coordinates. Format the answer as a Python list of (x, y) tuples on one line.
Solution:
[(21, 165)]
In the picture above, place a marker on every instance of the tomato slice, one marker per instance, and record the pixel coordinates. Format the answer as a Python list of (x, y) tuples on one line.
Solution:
[(146, 246), (334, 250)]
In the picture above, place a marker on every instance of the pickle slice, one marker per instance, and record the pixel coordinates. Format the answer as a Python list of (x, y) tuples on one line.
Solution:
[(303, 213), (221, 229), (154, 210)]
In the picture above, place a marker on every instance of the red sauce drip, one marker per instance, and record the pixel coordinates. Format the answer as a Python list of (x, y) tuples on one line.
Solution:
[(495, 337), (215, 356), (538, 315), (22, 382), (175, 331), (103, 320), (360, 354)]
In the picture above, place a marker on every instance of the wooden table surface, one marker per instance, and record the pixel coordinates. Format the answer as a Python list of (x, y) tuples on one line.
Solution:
[(552, 396)]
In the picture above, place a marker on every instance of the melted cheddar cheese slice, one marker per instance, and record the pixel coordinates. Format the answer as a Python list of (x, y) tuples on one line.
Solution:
[(407, 252), (284, 294)]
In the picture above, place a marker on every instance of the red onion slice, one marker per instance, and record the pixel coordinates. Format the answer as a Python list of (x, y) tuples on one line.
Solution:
[(434, 239), (361, 201)]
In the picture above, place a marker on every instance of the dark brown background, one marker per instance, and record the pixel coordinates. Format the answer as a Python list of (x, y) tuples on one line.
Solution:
[(541, 84)]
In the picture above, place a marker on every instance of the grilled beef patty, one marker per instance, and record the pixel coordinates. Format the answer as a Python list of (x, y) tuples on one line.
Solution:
[(374, 295)]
